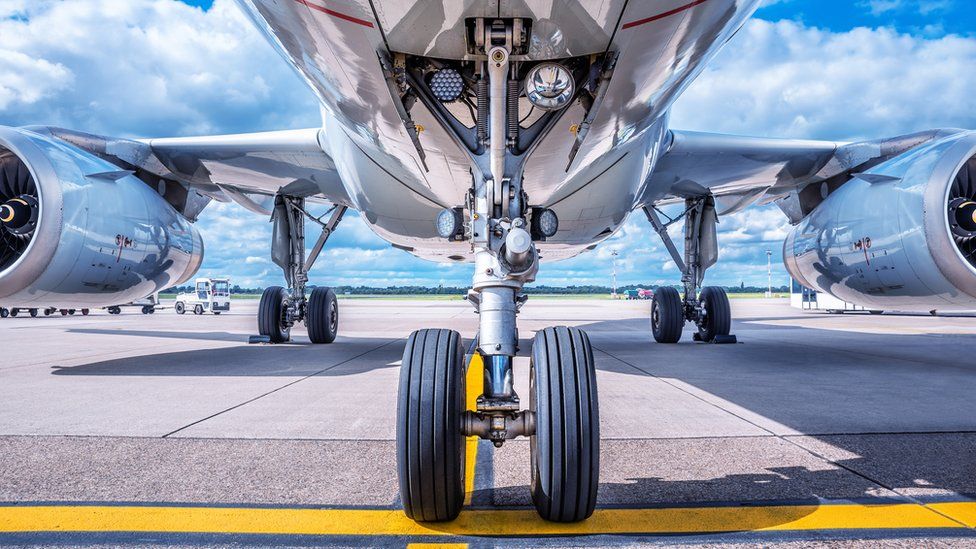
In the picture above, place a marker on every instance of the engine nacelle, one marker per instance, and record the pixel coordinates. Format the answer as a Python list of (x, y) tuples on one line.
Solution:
[(901, 236), (80, 232)]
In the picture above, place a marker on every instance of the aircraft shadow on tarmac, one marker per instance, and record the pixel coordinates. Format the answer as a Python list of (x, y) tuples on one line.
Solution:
[(888, 410), (350, 356)]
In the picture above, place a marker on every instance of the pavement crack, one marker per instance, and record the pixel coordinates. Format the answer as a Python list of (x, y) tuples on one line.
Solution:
[(275, 390)]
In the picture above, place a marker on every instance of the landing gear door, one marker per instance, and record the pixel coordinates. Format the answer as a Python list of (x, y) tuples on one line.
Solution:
[(709, 236), (280, 243)]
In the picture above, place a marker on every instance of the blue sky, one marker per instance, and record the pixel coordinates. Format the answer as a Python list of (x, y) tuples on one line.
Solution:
[(829, 69)]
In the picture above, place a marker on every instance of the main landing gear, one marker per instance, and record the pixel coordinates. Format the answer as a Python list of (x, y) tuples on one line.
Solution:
[(709, 310), (562, 419), (281, 308)]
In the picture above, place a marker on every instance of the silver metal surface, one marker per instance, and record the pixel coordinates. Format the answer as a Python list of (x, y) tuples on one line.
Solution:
[(498, 113), (99, 242), (883, 240)]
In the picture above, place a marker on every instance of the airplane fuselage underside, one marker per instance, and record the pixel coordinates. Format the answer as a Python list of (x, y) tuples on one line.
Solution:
[(337, 47)]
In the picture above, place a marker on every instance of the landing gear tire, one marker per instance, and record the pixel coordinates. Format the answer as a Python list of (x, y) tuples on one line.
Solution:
[(33, 313), (180, 308), (667, 315), (271, 314), (717, 319), (430, 446), (198, 309), (322, 316), (565, 450)]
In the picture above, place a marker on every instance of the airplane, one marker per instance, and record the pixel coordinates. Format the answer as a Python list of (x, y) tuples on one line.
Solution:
[(501, 134)]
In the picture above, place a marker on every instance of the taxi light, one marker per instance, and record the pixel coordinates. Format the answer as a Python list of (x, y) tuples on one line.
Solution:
[(549, 86)]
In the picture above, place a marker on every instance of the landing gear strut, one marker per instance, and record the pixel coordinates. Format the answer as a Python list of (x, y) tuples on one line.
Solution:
[(562, 419), (281, 308), (709, 310)]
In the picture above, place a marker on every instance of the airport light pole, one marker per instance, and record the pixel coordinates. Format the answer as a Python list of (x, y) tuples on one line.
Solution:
[(613, 274), (769, 273)]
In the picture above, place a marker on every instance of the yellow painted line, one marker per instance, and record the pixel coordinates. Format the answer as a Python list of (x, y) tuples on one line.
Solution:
[(437, 546), (473, 382), (355, 522), (964, 512)]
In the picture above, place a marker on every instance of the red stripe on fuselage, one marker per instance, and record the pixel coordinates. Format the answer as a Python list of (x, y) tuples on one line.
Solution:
[(333, 13), (660, 16)]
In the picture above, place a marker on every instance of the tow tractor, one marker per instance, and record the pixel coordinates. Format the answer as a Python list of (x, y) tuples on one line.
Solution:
[(212, 294)]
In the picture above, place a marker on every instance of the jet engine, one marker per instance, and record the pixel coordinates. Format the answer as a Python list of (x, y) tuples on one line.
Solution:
[(901, 236), (78, 231)]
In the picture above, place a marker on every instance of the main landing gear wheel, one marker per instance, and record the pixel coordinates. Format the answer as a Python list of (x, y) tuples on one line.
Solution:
[(180, 308), (565, 449), (667, 315), (430, 446), (716, 313), (271, 314), (322, 316)]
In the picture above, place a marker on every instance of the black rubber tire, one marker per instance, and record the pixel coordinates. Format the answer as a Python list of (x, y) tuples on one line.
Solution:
[(198, 309), (322, 316), (565, 450), (4, 313), (270, 314), (718, 313), (876, 312), (180, 308), (667, 315), (48, 312), (430, 445), (33, 313), (71, 312), (14, 312), (215, 312), (84, 312)]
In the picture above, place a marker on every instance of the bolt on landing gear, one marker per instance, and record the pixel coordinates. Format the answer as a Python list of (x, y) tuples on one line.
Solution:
[(709, 310), (562, 420), (280, 308)]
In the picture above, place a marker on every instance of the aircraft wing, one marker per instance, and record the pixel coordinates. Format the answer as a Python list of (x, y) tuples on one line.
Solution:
[(742, 171), (248, 168)]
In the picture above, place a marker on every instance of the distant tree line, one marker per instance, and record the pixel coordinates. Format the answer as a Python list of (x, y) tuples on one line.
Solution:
[(457, 290)]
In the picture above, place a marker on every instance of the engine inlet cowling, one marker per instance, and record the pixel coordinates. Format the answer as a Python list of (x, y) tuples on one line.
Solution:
[(901, 236), (70, 237)]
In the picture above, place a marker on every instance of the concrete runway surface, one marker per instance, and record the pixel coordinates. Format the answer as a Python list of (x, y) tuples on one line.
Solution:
[(168, 429)]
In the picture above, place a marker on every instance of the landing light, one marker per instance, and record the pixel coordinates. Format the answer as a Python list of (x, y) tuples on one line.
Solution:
[(549, 86), (446, 85), (544, 223), (450, 224)]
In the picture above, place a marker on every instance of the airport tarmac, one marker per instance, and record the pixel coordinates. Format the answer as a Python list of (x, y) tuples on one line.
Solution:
[(172, 429)]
